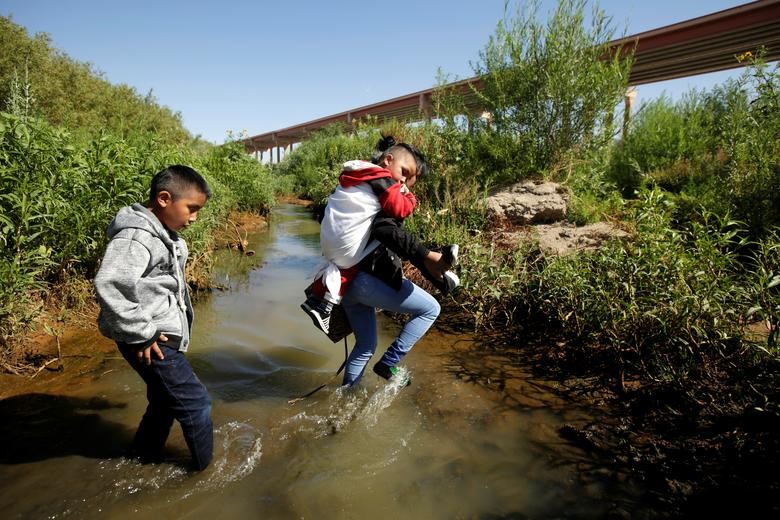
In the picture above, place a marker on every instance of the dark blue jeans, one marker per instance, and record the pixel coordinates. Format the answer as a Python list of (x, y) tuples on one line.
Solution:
[(174, 392)]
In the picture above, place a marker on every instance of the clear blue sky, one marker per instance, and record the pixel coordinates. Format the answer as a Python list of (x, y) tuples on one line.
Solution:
[(260, 66)]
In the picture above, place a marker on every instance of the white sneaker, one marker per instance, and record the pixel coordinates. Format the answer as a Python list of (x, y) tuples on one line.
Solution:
[(451, 281)]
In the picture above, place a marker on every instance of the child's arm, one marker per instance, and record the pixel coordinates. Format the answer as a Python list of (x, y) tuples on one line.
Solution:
[(395, 199), (116, 285)]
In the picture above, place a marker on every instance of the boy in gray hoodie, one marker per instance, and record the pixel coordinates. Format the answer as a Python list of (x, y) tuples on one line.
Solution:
[(145, 307)]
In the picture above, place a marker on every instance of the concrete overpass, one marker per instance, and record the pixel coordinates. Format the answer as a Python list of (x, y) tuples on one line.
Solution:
[(705, 44)]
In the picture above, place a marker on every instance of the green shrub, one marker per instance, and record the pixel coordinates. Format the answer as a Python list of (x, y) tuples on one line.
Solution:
[(658, 305), (72, 94), (58, 192), (548, 90), (763, 287), (249, 181), (718, 149), (315, 164)]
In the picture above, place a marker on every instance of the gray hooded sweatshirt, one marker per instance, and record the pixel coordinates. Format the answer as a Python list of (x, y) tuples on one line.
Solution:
[(140, 285)]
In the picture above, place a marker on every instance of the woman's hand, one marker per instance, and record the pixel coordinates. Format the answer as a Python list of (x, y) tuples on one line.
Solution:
[(434, 265)]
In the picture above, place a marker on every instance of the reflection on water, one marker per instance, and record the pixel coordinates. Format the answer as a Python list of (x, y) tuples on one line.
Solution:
[(441, 448)]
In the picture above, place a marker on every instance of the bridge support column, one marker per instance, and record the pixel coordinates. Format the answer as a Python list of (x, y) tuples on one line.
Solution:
[(426, 110), (628, 100)]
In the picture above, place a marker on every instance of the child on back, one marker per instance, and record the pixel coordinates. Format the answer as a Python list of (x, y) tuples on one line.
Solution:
[(368, 191), (145, 307)]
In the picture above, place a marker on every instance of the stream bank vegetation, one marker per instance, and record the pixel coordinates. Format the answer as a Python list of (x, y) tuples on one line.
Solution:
[(680, 322), (73, 150)]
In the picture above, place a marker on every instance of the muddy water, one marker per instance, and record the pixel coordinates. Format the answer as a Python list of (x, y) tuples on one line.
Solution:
[(474, 436)]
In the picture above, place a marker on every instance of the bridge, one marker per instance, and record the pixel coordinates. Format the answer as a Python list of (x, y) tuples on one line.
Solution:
[(705, 44)]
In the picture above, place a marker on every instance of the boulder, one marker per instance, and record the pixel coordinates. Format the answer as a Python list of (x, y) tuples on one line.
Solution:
[(528, 202)]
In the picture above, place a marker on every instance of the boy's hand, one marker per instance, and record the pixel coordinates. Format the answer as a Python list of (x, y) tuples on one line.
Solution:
[(145, 355), (404, 188)]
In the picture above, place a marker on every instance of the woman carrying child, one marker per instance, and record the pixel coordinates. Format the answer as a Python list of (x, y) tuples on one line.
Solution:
[(379, 282)]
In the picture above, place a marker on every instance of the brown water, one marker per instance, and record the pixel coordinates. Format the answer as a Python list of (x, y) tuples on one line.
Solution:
[(441, 448)]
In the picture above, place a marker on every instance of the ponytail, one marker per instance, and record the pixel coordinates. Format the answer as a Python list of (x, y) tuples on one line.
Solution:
[(387, 145)]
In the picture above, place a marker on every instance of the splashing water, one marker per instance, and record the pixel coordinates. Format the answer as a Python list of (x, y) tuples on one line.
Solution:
[(241, 453), (361, 405)]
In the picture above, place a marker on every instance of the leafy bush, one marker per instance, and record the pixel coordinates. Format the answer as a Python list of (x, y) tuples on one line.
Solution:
[(249, 181), (548, 91), (763, 287), (719, 149), (659, 304), (59, 192), (316, 163), (74, 95)]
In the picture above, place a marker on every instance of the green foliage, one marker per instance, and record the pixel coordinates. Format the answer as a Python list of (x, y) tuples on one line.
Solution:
[(593, 194), (249, 181), (58, 193), (548, 91), (499, 286), (658, 305), (751, 143), (763, 287), (315, 164), (719, 149)]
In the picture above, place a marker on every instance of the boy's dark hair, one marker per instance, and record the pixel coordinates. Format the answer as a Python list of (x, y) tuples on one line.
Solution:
[(176, 180), (387, 145)]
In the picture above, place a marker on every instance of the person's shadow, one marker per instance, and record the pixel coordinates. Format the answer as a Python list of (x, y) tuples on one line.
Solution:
[(35, 427)]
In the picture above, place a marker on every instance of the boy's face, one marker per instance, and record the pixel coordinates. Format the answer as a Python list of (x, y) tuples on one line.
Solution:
[(402, 167), (178, 213)]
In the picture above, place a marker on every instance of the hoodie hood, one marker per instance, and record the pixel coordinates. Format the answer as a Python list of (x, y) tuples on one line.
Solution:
[(356, 172), (138, 216)]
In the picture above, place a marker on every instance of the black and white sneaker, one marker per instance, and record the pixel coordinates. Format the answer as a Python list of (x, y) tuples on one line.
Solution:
[(319, 312), (449, 254)]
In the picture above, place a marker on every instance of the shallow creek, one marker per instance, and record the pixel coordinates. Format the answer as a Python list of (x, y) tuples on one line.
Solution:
[(444, 447)]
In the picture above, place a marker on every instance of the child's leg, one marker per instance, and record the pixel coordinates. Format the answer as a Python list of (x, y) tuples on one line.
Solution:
[(155, 426), (154, 429), (174, 391)]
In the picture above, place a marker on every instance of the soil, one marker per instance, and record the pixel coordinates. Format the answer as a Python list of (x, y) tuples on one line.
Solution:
[(560, 238)]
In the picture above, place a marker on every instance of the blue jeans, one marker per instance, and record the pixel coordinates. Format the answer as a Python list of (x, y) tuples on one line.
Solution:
[(364, 294), (174, 392)]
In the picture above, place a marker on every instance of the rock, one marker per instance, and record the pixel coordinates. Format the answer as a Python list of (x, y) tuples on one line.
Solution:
[(528, 202)]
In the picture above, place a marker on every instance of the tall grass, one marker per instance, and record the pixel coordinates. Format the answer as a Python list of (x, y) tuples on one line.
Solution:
[(58, 192)]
